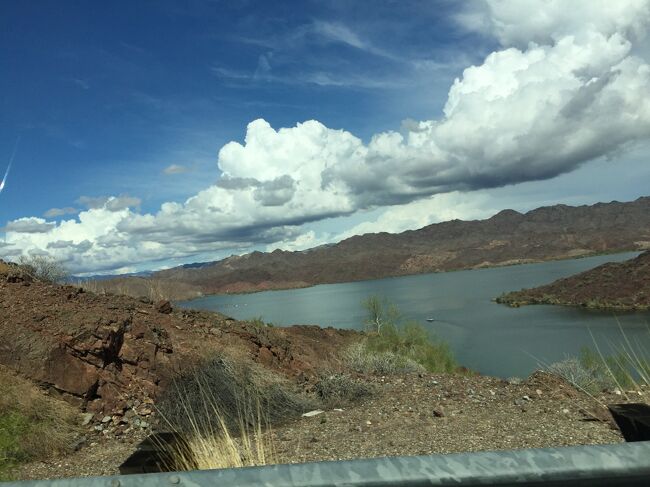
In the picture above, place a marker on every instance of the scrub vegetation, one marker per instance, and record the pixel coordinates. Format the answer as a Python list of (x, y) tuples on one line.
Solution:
[(32, 425), (626, 368), (395, 346), (43, 268), (224, 410)]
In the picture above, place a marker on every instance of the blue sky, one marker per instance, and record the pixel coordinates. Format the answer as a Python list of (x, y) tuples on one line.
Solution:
[(134, 101), (105, 96)]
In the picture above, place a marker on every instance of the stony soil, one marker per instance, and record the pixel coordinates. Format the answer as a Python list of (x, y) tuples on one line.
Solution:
[(446, 414), (408, 415)]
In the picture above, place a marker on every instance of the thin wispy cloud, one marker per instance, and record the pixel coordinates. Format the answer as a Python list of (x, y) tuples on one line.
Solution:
[(228, 73), (338, 32), (176, 169), (110, 203), (284, 61), (56, 212), (81, 83)]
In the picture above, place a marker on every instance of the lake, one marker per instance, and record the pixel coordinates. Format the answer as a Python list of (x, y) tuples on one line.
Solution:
[(485, 336)]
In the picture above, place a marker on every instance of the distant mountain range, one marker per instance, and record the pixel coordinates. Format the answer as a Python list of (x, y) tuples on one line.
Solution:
[(509, 237), (101, 277)]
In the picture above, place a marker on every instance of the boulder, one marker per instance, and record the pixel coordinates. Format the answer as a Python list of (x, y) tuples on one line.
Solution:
[(164, 307), (80, 348)]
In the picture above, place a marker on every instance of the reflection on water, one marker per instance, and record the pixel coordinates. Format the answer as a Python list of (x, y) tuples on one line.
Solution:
[(491, 338)]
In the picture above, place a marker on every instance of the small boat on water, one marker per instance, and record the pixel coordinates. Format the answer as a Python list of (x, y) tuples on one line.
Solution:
[(431, 319)]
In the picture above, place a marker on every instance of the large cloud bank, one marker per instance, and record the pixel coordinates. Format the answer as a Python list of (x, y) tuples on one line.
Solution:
[(568, 86)]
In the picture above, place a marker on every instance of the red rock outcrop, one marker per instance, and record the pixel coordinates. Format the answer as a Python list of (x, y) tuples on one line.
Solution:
[(105, 353)]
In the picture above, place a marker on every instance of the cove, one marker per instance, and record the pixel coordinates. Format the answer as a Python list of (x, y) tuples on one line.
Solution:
[(490, 338)]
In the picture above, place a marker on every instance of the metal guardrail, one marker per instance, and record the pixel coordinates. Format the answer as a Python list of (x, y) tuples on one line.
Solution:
[(599, 465)]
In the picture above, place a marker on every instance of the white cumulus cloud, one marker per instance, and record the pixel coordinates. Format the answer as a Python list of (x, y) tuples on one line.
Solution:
[(567, 87)]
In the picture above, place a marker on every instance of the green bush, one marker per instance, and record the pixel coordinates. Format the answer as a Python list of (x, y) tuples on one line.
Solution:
[(412, 341), (32, 425), (258, 322), (13, 426), (394, 346), (380, 312)]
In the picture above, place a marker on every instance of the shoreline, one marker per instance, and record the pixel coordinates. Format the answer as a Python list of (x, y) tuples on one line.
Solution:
[(469, 268)]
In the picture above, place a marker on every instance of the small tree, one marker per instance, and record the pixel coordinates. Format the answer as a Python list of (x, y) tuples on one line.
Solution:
[(379, 312), (43, 268), (391, 339)]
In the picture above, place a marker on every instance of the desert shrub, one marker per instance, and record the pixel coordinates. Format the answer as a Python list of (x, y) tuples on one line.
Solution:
[(414, 342), (360, 358), (628, 367), (396, 345), (235, 388), (32, 425), (258, 322), (379, 312), (337, 389), (593, 372), (610, 371), (572, 370), (44, 268)]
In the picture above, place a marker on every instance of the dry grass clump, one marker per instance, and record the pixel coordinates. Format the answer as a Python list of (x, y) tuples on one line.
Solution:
[(32, 425), (338, 389), (366, 360), (208, 442), (234, 386), (224, 410), (625, 368)]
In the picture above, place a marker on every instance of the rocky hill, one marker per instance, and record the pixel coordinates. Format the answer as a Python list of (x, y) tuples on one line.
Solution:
[(105, 353), (623, 286), (509, 237)]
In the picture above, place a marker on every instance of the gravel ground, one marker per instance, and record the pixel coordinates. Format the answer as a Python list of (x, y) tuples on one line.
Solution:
[(410, 415), (102, 456), (445, 414)]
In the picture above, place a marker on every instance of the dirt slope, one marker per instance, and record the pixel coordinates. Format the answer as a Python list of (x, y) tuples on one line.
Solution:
[(411, 415), (105, 352)]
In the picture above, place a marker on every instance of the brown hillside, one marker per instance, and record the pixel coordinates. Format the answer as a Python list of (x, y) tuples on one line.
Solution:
[(509, 237), (103, 353), (623, 286)]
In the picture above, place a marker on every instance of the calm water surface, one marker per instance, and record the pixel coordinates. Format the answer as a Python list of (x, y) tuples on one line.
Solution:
[(491, 338)]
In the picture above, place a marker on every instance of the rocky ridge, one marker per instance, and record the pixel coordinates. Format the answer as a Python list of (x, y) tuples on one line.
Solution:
[(618, 286), (507, 238)]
